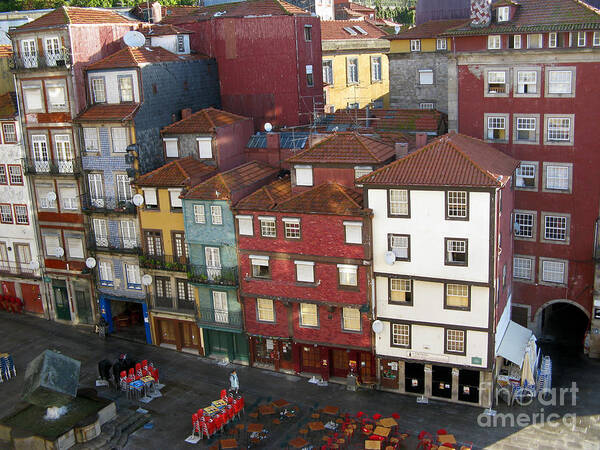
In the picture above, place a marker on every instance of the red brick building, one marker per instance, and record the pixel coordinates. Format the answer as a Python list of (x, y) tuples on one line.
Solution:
[(524, 80)]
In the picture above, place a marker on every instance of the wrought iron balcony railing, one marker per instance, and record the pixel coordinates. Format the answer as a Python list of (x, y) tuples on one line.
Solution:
[(213, 275), (106, 204), (58, 167), (221, 318), (173, 304), (60, 59), (116, 244), (164, 262), (17, 268)]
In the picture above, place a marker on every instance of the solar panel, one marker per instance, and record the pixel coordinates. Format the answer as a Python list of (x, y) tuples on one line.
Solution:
[(360, 30), (257, 141), (293, 140)]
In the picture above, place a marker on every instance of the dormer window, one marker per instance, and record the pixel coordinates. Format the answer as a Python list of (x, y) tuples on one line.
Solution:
[(503, 13)]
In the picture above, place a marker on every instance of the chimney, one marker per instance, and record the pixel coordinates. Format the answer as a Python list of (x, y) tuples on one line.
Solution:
[(401, 149), (185, 113), (273, 149), (156, 12), (481, 13), (421, 140)]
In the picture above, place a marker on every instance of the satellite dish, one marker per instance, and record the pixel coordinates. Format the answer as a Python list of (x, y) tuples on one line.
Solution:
[(377, 326), (90, 263), (268, 127), (34, 265), (138, 199), (59, 252), (51, 196), (134, 39), (390, 258), (147, 280)]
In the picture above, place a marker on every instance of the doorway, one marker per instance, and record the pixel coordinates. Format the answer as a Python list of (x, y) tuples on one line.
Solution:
[(468, 385), (311, 359), (564, 323), (414, 378), (388, 374), (61, 300), (441, 381)]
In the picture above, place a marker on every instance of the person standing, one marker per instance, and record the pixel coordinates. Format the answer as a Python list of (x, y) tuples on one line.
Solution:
[(234, 382)]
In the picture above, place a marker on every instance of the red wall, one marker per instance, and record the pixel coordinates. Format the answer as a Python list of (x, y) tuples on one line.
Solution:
[(504, 229), (231, 142), (31, 298)]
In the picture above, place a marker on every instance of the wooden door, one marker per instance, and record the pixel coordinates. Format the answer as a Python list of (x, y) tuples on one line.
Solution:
[(311, 359), (190, 335), (153, 243), (61, 300), (388, 374), (167, 331), (286, 357), (339, 366)]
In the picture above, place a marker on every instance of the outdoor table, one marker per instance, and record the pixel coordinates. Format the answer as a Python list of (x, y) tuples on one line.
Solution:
[(316, 426), (388, 422), (331, 410), (254, 428), (136, 388), (298, 443), (265, 410), (382, 431), (446, 439), (372, 445), (280, 403), (228, 443), (148, 384)]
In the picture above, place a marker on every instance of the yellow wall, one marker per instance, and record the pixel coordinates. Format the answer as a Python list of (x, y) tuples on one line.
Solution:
[(427, 45), (161, 219), (7, 83), (340, 93)]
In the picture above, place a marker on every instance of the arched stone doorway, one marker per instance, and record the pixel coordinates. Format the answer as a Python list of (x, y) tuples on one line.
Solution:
[(562, 322)]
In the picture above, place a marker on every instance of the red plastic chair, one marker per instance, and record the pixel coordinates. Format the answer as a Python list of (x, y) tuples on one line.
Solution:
[(441, 431), (223, 393), (377, 416), (360, 414), (138, 371), (195, 424), (131, 376), (123, 380), (396, 416)]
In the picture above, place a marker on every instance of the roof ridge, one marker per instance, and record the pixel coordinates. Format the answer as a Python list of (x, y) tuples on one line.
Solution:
[(328, 138), (274, 203), (147, 174), (66, 13), (205, 112), (468, 158), (587, 6), (342, 189), (372, 139)]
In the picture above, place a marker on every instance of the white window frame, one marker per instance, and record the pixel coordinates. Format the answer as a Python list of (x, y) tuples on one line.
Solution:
[(427, 105), (199, 214), (351, 319), (75, 247), (61, 106), (305, 271), (268, 226), (530, 40), (415, 45), (552, 40), (353, 232), (220, 306), (517, 41), (68, 203), (98, 87), (457, 205), (560, 88), (310, 78), (150, 198), (328, 71), (424, 77), (498, 78), (496, 122), (245, 225), (265, 310), (524, 172), (9, 133), (550, 267), (503, 14), (352, 76), (559, 129), (309, 311), (494, 42), (523, 268), (91, 139), (441, 44), (171, 147), (453, 344), (259, 260), (51, 243), (596, 39), (557, 177), (376, 69), (28, 95), (524, 227), (555, 228), (216, 215), (401, 206), (400, 333), (303, 175), (204, 147), (527, 78), (174, 201), (361, 171), (581, 39), (347, 275), (400, 246), (528, 125), (292, 228), (105, 273)]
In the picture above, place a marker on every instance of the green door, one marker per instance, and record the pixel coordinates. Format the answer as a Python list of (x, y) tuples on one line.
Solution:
[(61, 299), (84, 311), (220, 344)]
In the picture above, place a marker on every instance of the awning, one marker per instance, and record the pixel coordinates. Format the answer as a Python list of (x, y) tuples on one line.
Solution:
[(514, 343)]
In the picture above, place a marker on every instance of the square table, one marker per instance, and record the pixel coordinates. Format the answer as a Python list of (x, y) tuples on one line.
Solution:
[(388, 422), (266, 410), (382, 431), (254, 428), (446, 439), (228, 443), (316, 426), (280, 403), (372, 445), (331, 410), (298, 443)]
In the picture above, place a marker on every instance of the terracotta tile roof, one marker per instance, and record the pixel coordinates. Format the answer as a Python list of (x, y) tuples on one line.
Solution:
[(269, 196), (541, 15), (206, 121), (104, 112), (334, 29), (222, 185), (411, 120), (8, 105), (450, 160), (6, 51), (150, 30), (138, 56), (66, 15), (430, 29), (350, 148), (181, 172), (362, 8)]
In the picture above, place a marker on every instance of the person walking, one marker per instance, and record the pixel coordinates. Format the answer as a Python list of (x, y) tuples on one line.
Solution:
[(234, 382)]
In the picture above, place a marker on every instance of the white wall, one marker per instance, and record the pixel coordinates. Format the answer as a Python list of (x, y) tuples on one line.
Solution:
[(169, 43), (112, 84)]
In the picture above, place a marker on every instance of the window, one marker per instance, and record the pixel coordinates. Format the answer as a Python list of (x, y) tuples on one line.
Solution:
[(6, 213), (559, 129), (171, 147), (204, 147), (153, 243), (309, 315), (90, 139), (304, 175), (415, 45), (456, 252), (176, 202), (245, 225), (360, 171), (494, 42), (557, 177), (523, 268), (216, 215), (126, 88), (100, 232), (555, 228), (426, 105), (124, 193), (52, 244), (352, 70), (328, 72), (75, 247), (291, 228), (347, 275), (199, 216), (441, 44), (221, 307), (497, 82), (552, 40), (68, 198), (98, 90), (267, 227), (260, 266), (399, 244), (64, 153), (15, 175), (581, 38), (525, 176), (305, 271), (353, 231), (52, 48), (457, 205), (526, 129), (554, 271), (129, 234), (351, 319), (150, 198), (514, 41), (526, 82), (33, 98), (496, 128), (455, 341), (29, 53), (44, 198), (503, 13), (398, 202), (3, 178), (106, 273), (400, 335), (119, 140), (132, 272), (180, 43), (9, 132), (534, 41), (265, 310), (185, 291), (376, 68), (425, 76), (559, 81), (596, 39), (310, 82), (308, 33), (457, 296), (56, 96), (21, 215), (524, 225), (400, 290)]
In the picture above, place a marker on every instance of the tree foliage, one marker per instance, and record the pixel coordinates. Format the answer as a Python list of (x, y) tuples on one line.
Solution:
[(21, 5)]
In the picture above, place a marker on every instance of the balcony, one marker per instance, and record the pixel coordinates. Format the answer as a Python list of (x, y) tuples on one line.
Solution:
[(54, 61), (115, 244), (227, 276), (219, 318), (105, 204), (58, 167), (164, 262), (172, 304), (18, 269)]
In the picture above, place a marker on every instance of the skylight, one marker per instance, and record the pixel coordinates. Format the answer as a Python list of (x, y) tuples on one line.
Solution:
[(350, 31), (360, 30)]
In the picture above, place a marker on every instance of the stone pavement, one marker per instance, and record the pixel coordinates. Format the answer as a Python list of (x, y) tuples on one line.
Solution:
[(193, 382)]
